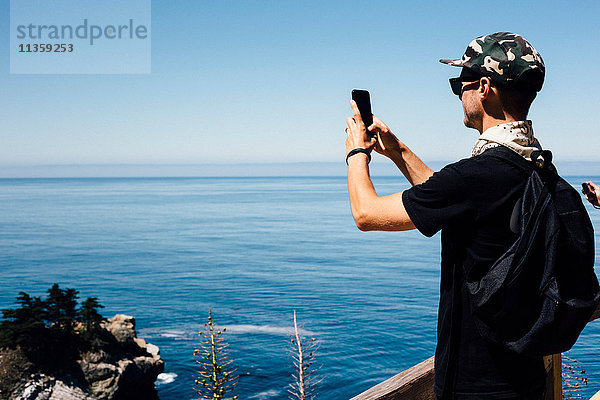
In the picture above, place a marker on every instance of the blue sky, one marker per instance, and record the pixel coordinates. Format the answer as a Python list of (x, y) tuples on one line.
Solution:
[(269, 82)]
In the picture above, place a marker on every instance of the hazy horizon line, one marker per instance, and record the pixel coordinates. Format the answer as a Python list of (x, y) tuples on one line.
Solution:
[(246, 169), (237, 163)]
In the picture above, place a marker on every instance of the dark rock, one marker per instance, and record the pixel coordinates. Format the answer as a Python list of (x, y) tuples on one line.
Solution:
[(124, 367)]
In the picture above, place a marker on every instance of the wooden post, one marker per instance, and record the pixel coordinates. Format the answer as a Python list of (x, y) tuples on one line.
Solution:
[(557, 376), (554, 377)]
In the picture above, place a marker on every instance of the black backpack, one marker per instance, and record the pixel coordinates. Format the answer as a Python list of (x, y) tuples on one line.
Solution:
[(539, 295)]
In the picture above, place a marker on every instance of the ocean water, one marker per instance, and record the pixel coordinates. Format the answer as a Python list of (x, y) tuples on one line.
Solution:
[(253, 250)]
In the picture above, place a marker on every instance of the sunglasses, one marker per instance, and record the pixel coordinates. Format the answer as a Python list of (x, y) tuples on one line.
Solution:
[(456, 84)]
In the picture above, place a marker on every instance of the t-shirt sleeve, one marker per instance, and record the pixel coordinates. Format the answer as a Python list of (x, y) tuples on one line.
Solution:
[(443, 200)]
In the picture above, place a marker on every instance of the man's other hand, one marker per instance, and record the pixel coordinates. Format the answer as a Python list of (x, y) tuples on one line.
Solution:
[(356, 133), (593, 196), (387, 143)]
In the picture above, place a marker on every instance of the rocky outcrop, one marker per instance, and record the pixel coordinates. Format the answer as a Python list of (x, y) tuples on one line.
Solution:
[(123, 367), (42, 387)]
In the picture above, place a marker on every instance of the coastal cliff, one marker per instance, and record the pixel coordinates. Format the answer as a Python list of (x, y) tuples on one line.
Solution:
[(120, 366)]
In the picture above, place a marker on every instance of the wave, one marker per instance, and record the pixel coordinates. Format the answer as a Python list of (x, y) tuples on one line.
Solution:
[(151, 333), (191, 333), (269, 394), (267, 329), (165, 377), (172, 333)]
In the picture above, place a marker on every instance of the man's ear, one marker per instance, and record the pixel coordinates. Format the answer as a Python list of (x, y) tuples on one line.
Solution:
[(485, 88)]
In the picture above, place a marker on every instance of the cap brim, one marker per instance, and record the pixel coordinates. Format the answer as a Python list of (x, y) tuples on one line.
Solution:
[(455, 63)]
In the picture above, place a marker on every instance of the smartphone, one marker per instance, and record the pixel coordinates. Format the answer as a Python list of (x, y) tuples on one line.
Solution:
[(363, 101), (586, 188)]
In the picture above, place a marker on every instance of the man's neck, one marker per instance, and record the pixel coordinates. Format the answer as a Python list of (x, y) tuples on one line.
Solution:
[(489, 121)]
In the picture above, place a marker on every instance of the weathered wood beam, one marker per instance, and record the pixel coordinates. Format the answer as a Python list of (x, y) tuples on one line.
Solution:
[(415, 383)]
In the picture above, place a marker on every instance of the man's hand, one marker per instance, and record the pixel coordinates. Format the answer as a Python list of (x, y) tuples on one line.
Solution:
[(387, 143), (384, 143), (356, 133), (593, 196)]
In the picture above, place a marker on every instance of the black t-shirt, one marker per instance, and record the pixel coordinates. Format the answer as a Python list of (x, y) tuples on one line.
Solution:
[(471, 202)]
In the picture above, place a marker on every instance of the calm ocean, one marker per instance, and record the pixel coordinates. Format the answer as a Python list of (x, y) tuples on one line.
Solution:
[(253, 249)]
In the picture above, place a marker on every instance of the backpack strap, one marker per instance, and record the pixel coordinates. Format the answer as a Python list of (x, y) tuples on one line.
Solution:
[(454, 339), (541, 161)]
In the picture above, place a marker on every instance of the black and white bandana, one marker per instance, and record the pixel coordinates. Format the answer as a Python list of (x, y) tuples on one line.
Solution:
[(517, 136)]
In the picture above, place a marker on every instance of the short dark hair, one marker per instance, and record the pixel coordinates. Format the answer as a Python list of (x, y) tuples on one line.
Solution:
[(516, 100)]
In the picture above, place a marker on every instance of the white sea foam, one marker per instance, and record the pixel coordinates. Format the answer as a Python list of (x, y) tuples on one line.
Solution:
[(172, 333), (269, 394), (149, 333), (233, 329), (267, 329), (165, 377)]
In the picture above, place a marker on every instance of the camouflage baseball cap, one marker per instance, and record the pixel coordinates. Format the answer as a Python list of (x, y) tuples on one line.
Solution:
[(506, 58)]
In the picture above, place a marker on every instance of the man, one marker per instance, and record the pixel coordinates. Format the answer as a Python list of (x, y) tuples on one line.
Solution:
[(470, 201)]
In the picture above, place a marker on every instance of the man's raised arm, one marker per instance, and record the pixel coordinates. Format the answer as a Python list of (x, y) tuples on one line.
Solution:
[(370, 211)]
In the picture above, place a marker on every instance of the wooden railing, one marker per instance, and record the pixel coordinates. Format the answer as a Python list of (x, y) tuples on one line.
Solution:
[(416, 383)]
